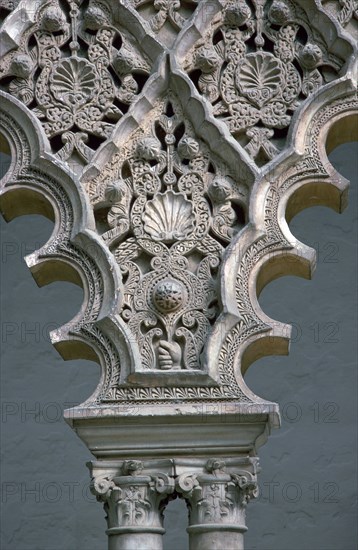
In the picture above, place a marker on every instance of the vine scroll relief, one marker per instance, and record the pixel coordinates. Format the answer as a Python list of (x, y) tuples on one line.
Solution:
[(168, 140)]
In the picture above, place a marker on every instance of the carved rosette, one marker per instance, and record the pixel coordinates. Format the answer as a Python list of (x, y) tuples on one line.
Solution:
[(132, 500)]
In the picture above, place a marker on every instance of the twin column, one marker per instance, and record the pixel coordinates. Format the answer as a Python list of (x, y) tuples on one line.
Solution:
[(216, 496)]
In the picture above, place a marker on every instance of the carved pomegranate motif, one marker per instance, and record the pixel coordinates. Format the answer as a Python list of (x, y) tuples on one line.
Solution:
[(311, 55), (169, 217), (259, 77), (168, 295), (188, 148), (22, 66), (149, 148), (53, 19), (279, 13), (237, 14)]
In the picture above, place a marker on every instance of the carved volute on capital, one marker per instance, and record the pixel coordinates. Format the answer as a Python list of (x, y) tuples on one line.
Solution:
[(218, 496), (133, 500)]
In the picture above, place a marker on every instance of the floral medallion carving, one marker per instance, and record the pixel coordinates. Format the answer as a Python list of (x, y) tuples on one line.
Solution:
[(257, 66), (259, 77), (77, 73), (170, 213)]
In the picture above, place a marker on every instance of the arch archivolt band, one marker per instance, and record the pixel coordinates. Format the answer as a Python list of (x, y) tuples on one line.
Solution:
[(171, 145)]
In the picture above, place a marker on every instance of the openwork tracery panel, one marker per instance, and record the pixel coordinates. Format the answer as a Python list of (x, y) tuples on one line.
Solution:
[(171, 142), (161, 114), (256, 64)]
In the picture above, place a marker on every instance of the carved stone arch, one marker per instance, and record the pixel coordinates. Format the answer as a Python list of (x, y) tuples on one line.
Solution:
[(222, 149), (171, 194), (269, 250), (36, 184)]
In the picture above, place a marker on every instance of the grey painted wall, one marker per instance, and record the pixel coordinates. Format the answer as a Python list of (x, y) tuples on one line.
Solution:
[(308, 478)]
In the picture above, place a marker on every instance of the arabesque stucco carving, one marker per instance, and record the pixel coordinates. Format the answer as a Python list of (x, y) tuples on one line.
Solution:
[(171, 143)]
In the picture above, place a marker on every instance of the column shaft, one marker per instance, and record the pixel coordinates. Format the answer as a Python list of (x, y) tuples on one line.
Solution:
[(134, 540), (215, 538)]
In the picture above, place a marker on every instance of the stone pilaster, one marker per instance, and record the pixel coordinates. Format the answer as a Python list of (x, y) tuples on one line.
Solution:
[(217, 501), (134, 504)]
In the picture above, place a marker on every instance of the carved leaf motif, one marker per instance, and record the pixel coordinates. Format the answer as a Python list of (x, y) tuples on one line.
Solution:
[(74, 81), (243, 115), (311, 82), (22, 89), (292, 86), (274, 115), (208, 85), (259, 77), (167, 12), (127, 251)]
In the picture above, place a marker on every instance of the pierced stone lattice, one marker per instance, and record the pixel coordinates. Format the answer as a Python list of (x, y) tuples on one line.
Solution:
[(178, 214), (77, 72), (256, 66), (170, 212)]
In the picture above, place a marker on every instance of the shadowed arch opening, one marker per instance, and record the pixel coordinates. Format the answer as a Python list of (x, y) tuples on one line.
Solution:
[(302, 303), (23, 202), (5, 156), (33, 206), (320, 193), (301, 261)]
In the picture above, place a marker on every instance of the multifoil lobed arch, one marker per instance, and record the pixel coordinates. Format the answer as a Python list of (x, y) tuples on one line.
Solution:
[(82, 197)]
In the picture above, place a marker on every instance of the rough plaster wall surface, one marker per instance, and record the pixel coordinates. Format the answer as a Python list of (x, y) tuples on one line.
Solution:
[(308, 478)]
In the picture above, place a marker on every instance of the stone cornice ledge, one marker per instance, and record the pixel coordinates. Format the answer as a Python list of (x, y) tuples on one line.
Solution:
[(164, 430)]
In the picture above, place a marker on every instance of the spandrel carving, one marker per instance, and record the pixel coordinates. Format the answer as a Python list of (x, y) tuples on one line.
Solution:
[(78, 73), (256, 66), (174, 298), (167, 217), (165, 18)]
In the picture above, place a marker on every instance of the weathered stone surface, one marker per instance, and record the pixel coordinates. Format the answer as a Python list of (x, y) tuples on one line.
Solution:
[(306, 453), (171, 225)]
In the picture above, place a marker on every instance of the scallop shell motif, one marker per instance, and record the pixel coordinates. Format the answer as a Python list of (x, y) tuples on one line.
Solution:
[(259, 77), (74, 81), (169, 217)]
